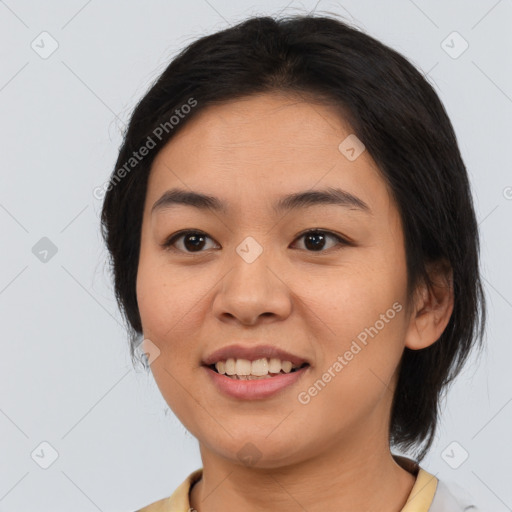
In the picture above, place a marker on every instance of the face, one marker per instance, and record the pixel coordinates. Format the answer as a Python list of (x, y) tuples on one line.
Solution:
[(251, 274)]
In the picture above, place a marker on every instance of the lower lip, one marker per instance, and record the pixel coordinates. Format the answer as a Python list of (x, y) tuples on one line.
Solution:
[(254, 389)]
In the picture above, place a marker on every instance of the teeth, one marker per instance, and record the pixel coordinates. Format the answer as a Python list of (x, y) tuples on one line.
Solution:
[(258, 368), (274, 365), (249, 377), (242, 367)]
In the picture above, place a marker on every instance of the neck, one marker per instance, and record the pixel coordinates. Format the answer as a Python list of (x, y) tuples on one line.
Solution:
[(345, 481)]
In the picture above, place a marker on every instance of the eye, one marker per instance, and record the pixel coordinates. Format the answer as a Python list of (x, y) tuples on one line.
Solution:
[(192, 240), (315, 239)]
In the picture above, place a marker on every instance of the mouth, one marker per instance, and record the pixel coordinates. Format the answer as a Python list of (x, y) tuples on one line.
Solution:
[(230, 370), (240, 384)]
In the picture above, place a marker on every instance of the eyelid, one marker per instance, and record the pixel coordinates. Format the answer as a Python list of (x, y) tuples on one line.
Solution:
[(343, 239), (169, 242)]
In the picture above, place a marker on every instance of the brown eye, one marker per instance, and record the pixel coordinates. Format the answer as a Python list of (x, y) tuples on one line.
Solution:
[(193, 241), (315, 240)]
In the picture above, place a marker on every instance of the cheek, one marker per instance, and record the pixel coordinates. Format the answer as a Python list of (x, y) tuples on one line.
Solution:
[(163, 297), (364, 317), (152, 298), (172, 315), (355, 297), (357, 368), (166, 310)]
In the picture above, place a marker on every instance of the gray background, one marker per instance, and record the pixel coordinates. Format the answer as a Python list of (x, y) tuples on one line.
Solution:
[(66, 377)]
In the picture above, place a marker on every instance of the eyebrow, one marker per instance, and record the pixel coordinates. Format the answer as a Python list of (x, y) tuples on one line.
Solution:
[(306, 199)]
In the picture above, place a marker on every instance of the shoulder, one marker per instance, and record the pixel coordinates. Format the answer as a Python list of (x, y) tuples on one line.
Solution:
[(450, 497), (179, 499), (157, 506)]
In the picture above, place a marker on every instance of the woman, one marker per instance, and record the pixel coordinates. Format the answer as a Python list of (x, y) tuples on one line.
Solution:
[(292, 235)]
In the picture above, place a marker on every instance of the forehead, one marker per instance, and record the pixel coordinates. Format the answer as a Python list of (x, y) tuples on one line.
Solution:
[(264, 147)]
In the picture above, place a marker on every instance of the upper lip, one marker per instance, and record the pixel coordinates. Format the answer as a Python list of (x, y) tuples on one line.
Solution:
[(252, 353)]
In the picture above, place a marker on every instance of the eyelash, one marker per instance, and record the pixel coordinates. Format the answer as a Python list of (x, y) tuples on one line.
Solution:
[(168, 244)]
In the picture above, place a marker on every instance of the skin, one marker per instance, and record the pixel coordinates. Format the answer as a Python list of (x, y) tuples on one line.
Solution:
[(332, 453)]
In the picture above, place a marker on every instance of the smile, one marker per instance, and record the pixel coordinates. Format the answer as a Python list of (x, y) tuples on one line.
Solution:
[(253, 387)]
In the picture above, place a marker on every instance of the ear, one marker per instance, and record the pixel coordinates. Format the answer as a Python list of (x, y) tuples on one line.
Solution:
[(432, 308)]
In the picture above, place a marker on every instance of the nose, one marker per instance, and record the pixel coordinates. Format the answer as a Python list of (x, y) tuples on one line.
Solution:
[(253, 292)]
